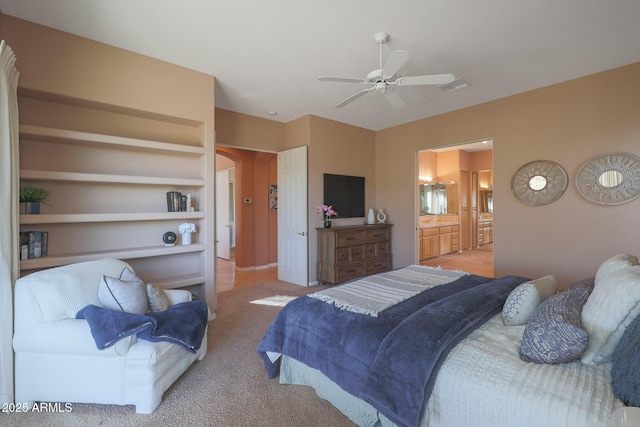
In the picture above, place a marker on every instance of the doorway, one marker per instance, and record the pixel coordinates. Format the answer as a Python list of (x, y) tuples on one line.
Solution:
[(225, 213), (464, 221), (251, 230)]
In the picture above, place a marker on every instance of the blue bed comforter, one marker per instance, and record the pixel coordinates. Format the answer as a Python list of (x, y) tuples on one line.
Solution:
[(390, 361)]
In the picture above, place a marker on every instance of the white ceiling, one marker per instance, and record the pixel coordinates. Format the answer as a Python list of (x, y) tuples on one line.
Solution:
[(267, 54)]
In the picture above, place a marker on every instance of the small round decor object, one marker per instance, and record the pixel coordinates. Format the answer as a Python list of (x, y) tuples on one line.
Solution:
[(169, 238), (539, 183)]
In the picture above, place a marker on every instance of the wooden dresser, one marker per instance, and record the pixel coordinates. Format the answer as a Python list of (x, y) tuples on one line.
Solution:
[(349, 252)]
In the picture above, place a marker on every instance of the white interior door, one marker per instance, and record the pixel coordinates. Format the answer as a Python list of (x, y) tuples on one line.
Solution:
[(223, 221), (293, 233)]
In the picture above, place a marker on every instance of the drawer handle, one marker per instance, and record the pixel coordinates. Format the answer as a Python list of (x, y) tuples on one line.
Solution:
[(351, 271), (350, 238), (379, 264)]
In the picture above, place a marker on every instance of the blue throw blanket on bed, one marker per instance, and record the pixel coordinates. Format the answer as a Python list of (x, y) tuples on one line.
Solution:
[(390, 361), (183, 324)]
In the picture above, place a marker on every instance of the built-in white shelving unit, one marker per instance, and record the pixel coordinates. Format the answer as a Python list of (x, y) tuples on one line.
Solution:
[(108, 199)]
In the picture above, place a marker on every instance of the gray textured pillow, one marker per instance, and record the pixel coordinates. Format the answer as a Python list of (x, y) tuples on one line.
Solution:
[(158, 300), (124, 293), (625, 376), (555, 334)]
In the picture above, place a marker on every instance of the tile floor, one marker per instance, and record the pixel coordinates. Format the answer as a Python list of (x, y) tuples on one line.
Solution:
[(227, 277)]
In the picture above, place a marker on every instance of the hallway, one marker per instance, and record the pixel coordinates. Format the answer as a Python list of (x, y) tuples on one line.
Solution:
[(227, 277)]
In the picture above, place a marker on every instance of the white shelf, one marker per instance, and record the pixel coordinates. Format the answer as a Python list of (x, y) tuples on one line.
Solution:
[(54, 261), (38, 175), (108, 217), (180, 281), (64, 136)]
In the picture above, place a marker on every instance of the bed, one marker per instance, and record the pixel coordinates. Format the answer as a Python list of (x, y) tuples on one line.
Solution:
[(456, 349)]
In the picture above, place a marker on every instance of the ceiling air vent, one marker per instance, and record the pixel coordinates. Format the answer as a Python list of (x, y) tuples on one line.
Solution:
[(455, 86)]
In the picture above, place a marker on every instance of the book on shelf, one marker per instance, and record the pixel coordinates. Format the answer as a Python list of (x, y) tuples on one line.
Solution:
[(34, 244), (24, 245), (174, 201)]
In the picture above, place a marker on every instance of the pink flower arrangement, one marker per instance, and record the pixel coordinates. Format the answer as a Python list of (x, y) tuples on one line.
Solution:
[(327, 212)]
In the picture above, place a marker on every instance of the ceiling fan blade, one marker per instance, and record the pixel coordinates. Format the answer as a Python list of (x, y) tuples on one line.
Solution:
[(394, 63), (435, 79), (353, 97), (341, 79), (394, 99)]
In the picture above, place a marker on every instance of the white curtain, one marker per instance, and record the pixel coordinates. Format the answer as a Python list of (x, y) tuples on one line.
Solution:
[(9, 208)]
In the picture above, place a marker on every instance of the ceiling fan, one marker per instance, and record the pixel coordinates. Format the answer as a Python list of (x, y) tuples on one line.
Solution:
[(387, 75)]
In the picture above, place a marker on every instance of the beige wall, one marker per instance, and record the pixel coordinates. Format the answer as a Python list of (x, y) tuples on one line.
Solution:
[(568, 123), (78, 84), (244, 131), (341, 149)]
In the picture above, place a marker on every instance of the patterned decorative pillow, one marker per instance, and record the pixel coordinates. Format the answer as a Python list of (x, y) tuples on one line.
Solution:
[(625, 375), (584, 283), (555, 334), (124, 293), (524, 299), (613, 304), (158, 300)]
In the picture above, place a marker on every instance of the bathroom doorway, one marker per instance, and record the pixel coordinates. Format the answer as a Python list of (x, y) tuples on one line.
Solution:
[(456, 232)]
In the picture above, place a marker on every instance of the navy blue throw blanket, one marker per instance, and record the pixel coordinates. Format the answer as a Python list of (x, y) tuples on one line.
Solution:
[(390, 361), (183, 324)]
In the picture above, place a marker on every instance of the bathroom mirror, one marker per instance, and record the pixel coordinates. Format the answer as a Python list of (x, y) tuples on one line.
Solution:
[(485, 204), (610, 179), (438, 198), (539, 183)]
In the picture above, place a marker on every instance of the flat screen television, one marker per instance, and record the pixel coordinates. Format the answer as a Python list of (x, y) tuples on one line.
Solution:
[(346, 194)]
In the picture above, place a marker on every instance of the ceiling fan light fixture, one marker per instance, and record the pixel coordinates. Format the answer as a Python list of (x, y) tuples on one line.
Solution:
[(386, 75)]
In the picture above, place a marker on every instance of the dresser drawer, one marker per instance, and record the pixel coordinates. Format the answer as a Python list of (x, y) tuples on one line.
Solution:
[(350, 271), (376, 235), (349, 238), (378, 249), (349, 254), (378, 265)]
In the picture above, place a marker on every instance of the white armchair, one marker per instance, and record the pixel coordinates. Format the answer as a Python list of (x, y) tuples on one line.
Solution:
[(56, 358)]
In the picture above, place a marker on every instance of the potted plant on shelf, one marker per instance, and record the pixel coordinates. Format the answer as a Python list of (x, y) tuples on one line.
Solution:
[(185, 229), (31, 197)]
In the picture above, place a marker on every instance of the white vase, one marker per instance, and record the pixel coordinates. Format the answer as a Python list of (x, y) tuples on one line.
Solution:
[(185, 239), (371, 219)]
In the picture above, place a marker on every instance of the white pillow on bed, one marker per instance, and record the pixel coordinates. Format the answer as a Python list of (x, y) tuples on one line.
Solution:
[(524, 299), (616, 262), (613, 304)]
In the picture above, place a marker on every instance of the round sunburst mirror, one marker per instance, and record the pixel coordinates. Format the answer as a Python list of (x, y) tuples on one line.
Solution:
[(610, 179), (539, 183)]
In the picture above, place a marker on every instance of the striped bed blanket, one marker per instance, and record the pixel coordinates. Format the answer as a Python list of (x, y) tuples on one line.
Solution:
[(373, 294)]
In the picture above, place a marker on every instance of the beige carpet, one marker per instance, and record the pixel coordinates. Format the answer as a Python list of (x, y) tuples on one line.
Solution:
[(229, 387)]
